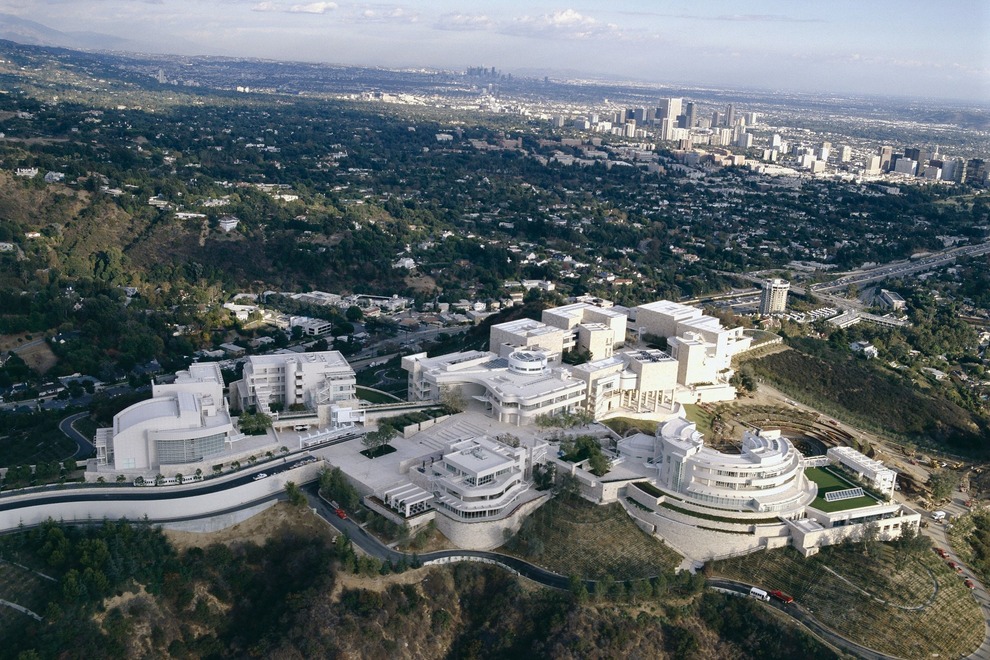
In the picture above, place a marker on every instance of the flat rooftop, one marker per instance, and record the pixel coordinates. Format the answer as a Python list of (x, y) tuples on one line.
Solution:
[(477, 459), (828, 481), (330, 358)]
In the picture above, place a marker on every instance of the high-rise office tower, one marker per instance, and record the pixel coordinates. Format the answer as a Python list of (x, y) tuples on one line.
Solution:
[(690, 116), (976, 172), (845, 153), (715, 119), (773, 299), (730, 115), (886, 155), (919, 156), (668, 109)]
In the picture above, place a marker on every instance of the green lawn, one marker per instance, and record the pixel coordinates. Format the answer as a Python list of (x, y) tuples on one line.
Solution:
[(828, 482), (373, 396), (701, 418)]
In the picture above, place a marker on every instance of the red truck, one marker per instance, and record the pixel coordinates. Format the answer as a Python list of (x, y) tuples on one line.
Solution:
[(340, 514), (781, 596)]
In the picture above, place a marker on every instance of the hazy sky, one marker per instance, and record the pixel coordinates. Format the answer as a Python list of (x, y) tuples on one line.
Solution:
[(936, 48)]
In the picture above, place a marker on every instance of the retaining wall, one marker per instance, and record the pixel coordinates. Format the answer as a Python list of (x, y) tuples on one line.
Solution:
[(194, 506)]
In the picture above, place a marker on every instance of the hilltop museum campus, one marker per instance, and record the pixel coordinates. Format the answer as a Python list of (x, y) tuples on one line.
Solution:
[(472, 473)]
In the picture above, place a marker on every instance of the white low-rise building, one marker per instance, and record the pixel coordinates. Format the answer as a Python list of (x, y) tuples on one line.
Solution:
[(881, 477), (309, 380), (514, 389), (702, 347), (765, 496), (767, 474), (184, 422)]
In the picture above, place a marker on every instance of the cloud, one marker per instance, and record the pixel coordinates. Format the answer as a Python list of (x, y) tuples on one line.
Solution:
[(313, 8), (759, 18), (384, 14), (465, 22), (308, 8), (562, 24)]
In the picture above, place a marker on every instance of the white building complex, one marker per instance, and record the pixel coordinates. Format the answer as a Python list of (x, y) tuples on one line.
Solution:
[(185, 422), (767, 475), (514, 389), (522, 375), (321, 383), (187, 425), (711, 504), (472, 481), (880, 477)]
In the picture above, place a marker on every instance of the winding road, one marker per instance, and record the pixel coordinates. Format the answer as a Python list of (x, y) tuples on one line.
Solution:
[(375, 548), (84, 448)]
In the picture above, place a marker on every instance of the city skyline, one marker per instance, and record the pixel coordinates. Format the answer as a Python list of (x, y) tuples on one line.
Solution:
[(905, 48)]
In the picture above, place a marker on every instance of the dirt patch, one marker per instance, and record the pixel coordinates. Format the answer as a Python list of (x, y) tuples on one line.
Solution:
[(119, 601), (274, 521), (423, 283), (32, 349), (377, 583)]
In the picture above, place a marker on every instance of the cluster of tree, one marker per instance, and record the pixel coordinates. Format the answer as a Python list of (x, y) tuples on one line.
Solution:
[(586, 447), (254, 423), (828, 378), (275, 600), (335, 486)]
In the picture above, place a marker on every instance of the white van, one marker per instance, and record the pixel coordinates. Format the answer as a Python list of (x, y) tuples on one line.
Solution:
[(938, 516)]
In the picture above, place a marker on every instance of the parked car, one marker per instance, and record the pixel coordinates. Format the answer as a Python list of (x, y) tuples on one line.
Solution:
[(969, 583), (942, 553), (340, 514)]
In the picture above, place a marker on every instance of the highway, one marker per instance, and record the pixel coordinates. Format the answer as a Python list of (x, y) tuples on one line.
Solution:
[(900, 268)]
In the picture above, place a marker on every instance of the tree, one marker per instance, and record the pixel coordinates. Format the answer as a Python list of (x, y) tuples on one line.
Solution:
[(942, 483), (354, 314), (568, 486), (871, 540), (179, 478), (912, 541), (296, 497), (375, 440), (335, 486), (254, 423), (452, 399), (543, 475)]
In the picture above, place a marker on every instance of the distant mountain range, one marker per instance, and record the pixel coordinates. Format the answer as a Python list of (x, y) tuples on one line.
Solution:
[(31, 33), (23, 31)]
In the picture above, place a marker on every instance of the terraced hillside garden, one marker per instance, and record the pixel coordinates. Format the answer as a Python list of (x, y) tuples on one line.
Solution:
[(924, 607)]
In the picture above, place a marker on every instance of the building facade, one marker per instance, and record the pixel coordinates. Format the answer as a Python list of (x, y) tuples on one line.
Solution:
[(285, 380), (773, 297), (183, 423)]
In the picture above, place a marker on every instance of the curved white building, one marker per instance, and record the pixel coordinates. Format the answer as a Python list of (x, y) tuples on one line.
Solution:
[(513, 389), (767, 474), (183, 423)]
